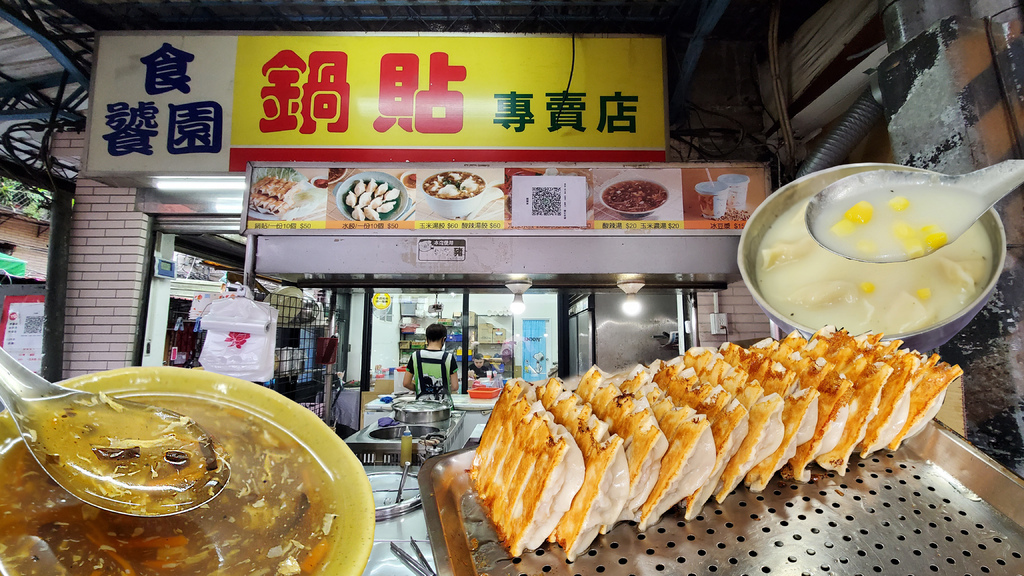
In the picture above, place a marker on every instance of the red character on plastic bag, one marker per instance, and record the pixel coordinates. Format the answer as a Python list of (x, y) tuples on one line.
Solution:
[(236, 339)]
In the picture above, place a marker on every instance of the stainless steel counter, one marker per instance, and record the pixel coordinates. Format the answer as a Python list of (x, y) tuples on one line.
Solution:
[(372, 448), (410, 525)]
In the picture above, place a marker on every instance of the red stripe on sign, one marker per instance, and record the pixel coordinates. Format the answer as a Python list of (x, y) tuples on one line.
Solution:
[(239, 156)]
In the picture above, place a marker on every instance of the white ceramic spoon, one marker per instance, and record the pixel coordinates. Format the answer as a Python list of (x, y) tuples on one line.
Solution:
[(117, 455), (911, 214)]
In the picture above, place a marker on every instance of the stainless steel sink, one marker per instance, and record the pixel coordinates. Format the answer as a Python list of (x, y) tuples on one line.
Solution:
[(395, 432), (375, 444)]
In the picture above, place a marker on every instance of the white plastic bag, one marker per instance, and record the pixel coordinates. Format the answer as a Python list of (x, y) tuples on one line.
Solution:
[(240, 339)]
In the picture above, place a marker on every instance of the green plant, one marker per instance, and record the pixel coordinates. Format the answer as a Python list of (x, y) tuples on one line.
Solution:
[(30, 201)]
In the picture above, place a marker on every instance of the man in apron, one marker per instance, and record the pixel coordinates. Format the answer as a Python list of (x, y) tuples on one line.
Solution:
[(429, 369)]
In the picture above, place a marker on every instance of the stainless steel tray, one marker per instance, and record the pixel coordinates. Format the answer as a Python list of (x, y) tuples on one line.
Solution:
[(936, 506)]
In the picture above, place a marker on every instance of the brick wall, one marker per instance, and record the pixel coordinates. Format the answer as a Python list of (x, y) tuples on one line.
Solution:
[(106, 269), (31, 242), (745, 320), (68, 146)]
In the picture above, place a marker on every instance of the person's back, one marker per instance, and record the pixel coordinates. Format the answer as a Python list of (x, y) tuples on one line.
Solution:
[(428, 369)]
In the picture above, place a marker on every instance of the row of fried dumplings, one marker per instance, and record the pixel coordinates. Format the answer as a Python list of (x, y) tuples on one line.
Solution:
[(565, 463)]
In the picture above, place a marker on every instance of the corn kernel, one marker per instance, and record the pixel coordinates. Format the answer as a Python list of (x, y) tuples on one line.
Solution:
[(924, 293), (867, 287), (860, 213), (936, 240), (867, 247), (843, 228), (930, 229), (913, 247), (902, 230), (899, 203)]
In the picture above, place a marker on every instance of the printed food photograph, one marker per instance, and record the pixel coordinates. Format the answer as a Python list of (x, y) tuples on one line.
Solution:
[(286, 195), (637, 194), (473, 194), (369, 196), (720, 195)]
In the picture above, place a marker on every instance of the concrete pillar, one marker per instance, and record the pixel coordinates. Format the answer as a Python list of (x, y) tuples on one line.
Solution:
[(107, 268), (159, 306), (948, 111)]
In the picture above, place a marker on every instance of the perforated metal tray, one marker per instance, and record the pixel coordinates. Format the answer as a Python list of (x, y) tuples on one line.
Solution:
[(936, 506)]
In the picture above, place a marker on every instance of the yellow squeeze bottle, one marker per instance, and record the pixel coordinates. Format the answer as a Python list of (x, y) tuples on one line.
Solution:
[(406, 446)]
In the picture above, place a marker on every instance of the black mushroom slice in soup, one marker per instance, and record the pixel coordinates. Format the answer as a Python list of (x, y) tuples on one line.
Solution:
[(274, 517), (634, 195)]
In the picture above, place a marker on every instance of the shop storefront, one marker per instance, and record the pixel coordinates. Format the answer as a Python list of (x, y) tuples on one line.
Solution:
[(322, 113)]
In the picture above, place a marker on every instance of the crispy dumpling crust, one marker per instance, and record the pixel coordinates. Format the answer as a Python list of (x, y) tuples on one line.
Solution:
[(704, 417)]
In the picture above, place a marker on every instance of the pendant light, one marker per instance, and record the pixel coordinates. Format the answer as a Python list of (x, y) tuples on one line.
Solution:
[(517, 288), (631, 307)]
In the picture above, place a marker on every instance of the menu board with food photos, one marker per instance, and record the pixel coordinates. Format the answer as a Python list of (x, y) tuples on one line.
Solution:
[(648, 199)]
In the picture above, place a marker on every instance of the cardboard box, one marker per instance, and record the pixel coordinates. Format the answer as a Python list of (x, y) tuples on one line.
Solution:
[(485, 332)]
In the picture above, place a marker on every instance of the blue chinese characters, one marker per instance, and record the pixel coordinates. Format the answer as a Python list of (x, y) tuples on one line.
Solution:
[(194, 127)]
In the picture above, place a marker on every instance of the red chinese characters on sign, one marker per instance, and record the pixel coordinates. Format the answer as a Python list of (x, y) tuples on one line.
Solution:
[(294, 100), (280, 98), (324, 96), (399, 80), (436, 110)]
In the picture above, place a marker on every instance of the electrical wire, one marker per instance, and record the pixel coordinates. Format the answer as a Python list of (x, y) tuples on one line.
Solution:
[(568, 84), (780, 96), (692, 137)]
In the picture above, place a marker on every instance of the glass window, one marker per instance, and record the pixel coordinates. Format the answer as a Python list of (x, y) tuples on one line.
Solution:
[(399, 320), (535, 337), (581, 336), (490, 333), (520, 346)]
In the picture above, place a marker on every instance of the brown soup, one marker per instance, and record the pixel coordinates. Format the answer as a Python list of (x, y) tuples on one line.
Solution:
[(634, 196), (271, 518)]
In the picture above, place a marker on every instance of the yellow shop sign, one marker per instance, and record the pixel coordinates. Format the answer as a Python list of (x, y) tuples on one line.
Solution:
[(199, 103)]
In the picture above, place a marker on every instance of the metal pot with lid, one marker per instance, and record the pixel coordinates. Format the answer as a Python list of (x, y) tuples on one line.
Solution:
[(421, 411)]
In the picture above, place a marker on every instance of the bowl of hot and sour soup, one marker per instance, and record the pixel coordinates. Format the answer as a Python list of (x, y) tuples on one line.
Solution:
[(297, 502)]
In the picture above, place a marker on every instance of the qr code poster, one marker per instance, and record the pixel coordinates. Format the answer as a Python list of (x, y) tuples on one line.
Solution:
[(638, 194), (549, 201), (21, 330)]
